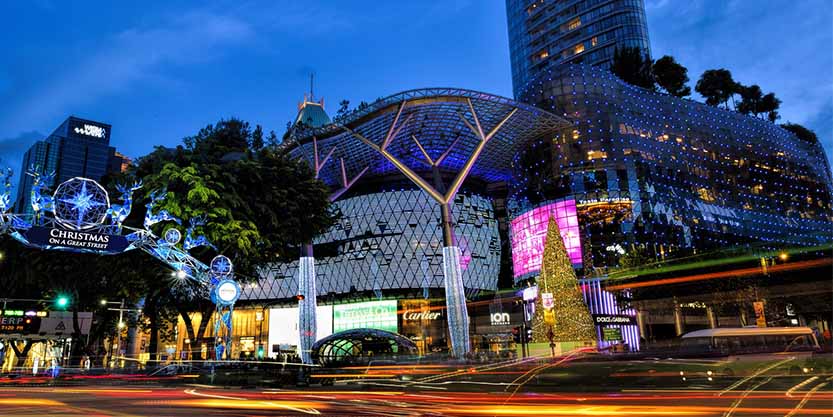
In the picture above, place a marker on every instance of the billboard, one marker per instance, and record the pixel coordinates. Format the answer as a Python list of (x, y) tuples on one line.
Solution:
[(368, 315), (529, 232), (283, 326)]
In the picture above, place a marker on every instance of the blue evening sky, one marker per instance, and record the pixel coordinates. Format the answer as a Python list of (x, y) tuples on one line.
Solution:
[(158, 71)]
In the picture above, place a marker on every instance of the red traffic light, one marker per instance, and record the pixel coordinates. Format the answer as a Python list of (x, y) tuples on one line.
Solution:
[(299, 297)]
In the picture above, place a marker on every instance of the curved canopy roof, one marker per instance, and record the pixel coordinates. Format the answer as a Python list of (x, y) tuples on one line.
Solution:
[(429, 127), (361, 345)]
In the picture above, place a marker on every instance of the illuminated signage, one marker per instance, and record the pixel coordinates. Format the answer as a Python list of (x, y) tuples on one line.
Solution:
[(529, 232), (422, 315), (530, 293), (499, 319), (611, 334), (91, 130), (228, 291), (613, 200), (371, 315), (18, 324), (56, 237), (603, 319), (547, 300)]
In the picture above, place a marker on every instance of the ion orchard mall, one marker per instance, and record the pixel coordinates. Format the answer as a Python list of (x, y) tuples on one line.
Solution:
[(444, 196)]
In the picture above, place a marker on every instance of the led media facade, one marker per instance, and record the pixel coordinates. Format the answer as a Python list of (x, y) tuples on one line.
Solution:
[(529, 233)]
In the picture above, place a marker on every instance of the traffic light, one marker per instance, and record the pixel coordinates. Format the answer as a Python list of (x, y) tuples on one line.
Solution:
[(528, 334), (516, 334), (62, 301), (260, 351), (299, 297)]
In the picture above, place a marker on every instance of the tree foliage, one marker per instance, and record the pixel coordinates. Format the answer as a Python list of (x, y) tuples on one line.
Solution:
[(717, 86), (751, 97), (671, 76), (260, 204), (801, 132), (633, 66)]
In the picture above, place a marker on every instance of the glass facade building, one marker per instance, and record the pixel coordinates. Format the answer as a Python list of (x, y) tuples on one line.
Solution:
[(390, 243), (664, 177), (544, 33), (77, 148)]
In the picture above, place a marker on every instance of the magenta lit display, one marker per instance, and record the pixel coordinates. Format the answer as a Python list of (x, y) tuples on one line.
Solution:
[(529, 231)]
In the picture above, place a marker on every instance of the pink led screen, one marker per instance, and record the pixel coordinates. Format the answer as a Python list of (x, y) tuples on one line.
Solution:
[(529, 231)]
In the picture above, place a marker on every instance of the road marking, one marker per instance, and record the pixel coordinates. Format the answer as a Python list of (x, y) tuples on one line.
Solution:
[(807, 397)]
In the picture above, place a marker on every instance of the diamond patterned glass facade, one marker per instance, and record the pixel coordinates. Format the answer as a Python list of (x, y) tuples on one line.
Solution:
[(392, 241)]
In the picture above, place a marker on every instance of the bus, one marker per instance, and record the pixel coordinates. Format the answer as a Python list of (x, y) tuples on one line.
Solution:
[(790, 350)]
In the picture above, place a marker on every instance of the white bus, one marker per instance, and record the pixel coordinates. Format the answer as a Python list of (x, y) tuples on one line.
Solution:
[(743, 351), (750, 340)]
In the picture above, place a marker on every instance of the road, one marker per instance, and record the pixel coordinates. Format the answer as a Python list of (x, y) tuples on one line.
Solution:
[(756, 399)]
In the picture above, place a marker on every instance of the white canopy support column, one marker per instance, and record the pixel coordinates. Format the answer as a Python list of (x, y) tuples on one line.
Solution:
[(458, 319), (307, 300)]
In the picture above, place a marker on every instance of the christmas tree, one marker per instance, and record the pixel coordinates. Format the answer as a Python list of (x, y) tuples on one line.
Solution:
[(569, 319)]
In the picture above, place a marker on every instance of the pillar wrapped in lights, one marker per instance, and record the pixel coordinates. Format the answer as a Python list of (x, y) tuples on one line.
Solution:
[(306, 303)]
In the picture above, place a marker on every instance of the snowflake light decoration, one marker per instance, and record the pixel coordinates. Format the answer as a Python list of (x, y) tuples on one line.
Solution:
[(80, 203), (221, 266)]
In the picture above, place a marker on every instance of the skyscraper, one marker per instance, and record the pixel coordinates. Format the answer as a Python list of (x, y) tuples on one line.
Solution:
[(544, 33), (77, 148)]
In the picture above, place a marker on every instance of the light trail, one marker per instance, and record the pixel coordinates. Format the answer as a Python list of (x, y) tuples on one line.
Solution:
[(798, 386), (743, 396), (807, 398), (754, 375), (224, 401), (723, 274)]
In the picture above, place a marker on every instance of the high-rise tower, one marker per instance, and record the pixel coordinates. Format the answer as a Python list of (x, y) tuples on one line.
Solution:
[(543, 33)]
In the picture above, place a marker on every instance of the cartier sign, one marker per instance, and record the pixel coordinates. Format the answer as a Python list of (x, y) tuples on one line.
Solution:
[(423, 315)]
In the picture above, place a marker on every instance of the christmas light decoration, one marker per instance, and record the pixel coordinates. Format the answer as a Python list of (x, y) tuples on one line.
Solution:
[(568, 320)]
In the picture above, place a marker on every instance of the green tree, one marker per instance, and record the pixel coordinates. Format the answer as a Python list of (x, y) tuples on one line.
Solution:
[(671, 76), (260, 203), (571, 320), (751, 97), (801, 132), (633, 66), (717, 86), (770, 105)]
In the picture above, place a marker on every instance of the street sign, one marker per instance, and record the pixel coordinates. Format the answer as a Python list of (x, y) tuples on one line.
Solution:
[(611, 334), (547, 300), (760, 317), (19, 325)]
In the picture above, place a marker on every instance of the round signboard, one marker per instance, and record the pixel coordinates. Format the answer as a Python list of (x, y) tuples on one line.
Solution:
[(227, 291), (80, 203), (172, 236), (221, 266)]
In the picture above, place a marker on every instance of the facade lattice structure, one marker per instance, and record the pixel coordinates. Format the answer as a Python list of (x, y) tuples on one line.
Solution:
[(392, 241)]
